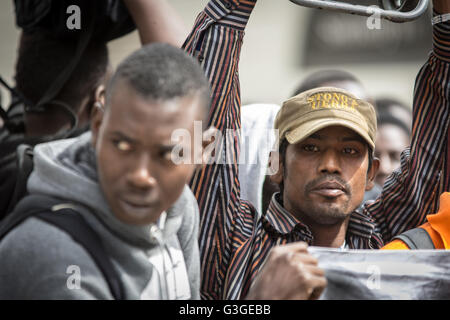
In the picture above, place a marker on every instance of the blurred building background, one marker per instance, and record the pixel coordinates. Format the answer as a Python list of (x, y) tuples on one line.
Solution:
[(284, 43)]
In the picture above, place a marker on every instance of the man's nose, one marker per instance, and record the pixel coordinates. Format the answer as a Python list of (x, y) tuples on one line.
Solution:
[(329, 162), (141, 176)]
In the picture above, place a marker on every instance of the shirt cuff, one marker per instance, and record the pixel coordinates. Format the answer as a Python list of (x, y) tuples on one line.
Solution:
[(231, 13)]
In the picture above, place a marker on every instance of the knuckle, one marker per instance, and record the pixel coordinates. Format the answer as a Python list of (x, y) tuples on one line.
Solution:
[(314, 260), (305, 276)]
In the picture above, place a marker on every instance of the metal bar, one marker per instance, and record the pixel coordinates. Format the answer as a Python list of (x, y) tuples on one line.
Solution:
[(394, 16)]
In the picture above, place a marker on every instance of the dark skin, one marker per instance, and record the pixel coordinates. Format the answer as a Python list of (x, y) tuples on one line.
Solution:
[(325, 177), (133, 144), (157, 21), (54, 119)]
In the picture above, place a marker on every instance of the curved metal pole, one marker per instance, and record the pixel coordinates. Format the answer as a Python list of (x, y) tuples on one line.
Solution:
[(394, 16)]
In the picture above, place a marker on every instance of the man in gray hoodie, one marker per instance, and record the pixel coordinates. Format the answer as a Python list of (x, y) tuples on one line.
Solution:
[(122, 180)]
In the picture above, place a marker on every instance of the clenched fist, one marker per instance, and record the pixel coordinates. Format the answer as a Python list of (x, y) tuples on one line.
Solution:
[(290, 273)]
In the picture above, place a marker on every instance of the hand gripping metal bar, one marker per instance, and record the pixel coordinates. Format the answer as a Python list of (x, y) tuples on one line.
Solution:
[(392, 15)]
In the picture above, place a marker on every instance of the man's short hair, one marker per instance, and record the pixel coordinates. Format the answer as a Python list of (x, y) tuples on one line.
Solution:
[(162, 72), (317, 79), (383, 105), (42, 58), (387, 118)]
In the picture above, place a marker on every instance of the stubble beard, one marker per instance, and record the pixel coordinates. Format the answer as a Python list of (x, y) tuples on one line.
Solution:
[(328, 213)]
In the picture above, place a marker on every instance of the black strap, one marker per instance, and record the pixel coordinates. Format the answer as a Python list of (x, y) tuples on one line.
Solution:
[(73, 223), (14, 219), (416, 239)]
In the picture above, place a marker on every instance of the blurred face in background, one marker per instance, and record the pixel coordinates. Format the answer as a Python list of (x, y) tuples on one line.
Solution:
[(391, 141)]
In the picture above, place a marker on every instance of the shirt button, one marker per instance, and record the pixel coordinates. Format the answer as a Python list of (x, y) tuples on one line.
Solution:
[(228, 5)]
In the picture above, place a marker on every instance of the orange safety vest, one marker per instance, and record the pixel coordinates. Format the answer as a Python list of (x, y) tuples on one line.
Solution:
[(437, 227)]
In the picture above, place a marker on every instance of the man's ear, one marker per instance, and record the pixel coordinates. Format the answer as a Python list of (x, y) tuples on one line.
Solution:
[(371, 174), (100, 94), (275, 169), (85, 111), (97, 114)]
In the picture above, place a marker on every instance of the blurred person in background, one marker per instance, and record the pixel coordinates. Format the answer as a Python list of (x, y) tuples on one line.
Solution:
[(394, 107), (393, 136)]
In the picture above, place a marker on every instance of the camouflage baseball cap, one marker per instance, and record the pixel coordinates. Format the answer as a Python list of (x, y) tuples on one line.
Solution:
[(313, 110)]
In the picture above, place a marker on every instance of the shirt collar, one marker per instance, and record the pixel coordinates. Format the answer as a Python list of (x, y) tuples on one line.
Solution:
[(283, 222), (280, 219)]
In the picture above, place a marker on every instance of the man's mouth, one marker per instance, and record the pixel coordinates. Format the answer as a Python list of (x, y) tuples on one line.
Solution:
[(329, 189), (137, 208)]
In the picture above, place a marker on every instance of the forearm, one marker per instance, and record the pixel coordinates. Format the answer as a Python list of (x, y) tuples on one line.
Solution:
[(441, 6), (217, 48), (157, 21), (216, 43)]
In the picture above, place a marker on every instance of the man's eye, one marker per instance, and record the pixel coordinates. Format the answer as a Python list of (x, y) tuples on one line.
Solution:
[(310, 148), (122, 145), (350, 151), (166, 156)]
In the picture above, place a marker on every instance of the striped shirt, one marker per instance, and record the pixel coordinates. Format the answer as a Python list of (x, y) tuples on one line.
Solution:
[(234, 241)]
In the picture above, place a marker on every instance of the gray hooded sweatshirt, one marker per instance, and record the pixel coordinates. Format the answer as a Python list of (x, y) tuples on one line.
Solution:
[(40, 261)]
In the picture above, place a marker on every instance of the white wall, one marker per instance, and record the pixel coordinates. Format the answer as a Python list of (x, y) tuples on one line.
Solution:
[(269, 67), (8, 45)]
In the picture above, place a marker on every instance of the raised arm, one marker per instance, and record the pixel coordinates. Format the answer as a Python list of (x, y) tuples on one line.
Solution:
[(216, 42), (443, 7), (157, 21), (413, 192)]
